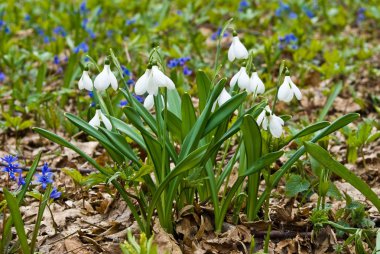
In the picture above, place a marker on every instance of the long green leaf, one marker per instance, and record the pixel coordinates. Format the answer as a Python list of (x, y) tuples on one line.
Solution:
[(188, 115), (17, 221), (128, 130), (330, 101), (204, 87), (323, 157)]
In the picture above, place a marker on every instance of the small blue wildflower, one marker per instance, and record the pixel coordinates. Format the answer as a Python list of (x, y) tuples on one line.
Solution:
[(56, 59), (81, 47), (20, 180), (173, 63), (2, 23), (292, 15), (91, 33), (187, 71), (139, 98), (134, 30), (129, 22), (100, 10), (84, 23), (27, 17), (45, 177), (92, 104), (130, 82), (126, 72), (86, 59), (83, 8), (360, 17), (46, 39), (215, 35), (308, 12), (179, 12), (109, 33), (39, 31), (123, 103), (288, 40), (91, 94), (60, 31), (55, 193), (7, 30), (59, 69), (2, 76), (183, 60), (243, 5), (12, 167)]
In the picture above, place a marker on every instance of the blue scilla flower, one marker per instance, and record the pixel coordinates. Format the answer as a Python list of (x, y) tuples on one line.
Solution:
[(126, 72), (183, 60), (81, 47), (91, 33), (243, 5), (7, 30), (20, 180), (187, 71), (109, 33), (100, 10), (83, 7), (288, 40), (39, 31), (129, 22), (2, 23), (360, 15), (91, 94), (123, 103), (60, 31), (55, 193), (130, 82), (139, 98), (56, 59), (308, 12), (11, 166), (2, 76), (292, 15), (179, 12), (282, 8), (27, 17), (45, 177), (84, 23), (46, 39), (173, 63), (215, 35)]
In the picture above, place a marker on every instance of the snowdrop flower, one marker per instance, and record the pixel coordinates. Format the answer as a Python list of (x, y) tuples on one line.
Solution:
[(241, 78), (275, 123), (149, 101), (99, 116), (256, 86), (151, 80), (223, 98), (106, 78), (85, 81), (288, 89), (237, 49)]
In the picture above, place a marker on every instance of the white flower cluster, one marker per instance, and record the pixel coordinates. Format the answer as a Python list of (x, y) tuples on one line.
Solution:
[(254, 85)]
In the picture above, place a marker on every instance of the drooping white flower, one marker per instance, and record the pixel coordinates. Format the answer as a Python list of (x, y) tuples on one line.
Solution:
[(149, 101), (105, 79), (151, 80), (275, 123), (100, 117), (224, 96), (85, 82), (241, 78), (256, 86), (237, 49), (287, 90)]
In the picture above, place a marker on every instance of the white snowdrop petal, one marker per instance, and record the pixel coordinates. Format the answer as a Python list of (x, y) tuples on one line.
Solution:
[(87, 82), (169, 83), (260, 118), (234, 79), (149, 102), (102, 81), (106, 121), (243, 80), (113, 80), (80, 83), (296, 91), (284, 92), (95, 121), (231, 53), (223, 97), (240, 51), (265, 123), (141, 85), (275, 126)]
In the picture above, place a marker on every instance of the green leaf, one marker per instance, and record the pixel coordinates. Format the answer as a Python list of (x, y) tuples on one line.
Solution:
[(204, 87), (188, 115), (174, 102), (224, 112), (41, 77), (75, 175), (310, 129), (17, 220), (61, 141), (296, 184), (128, 130), (323, 157), (373, 137), (330, 101), (174, 124), (263, 162)]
